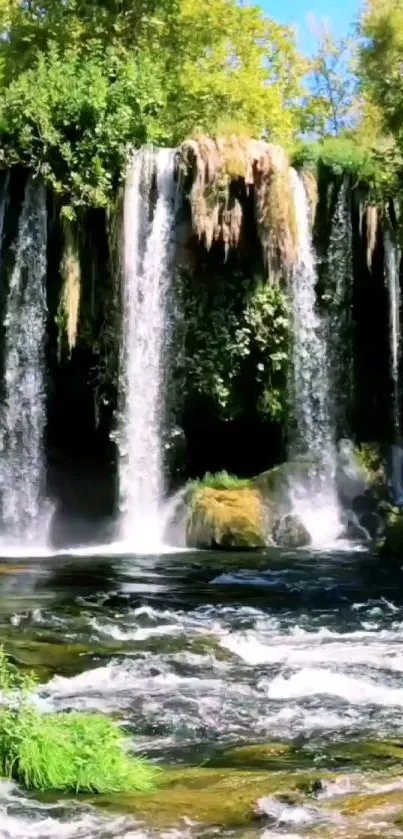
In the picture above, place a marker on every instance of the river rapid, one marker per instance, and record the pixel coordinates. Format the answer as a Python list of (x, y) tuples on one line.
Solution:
[(270, 684)]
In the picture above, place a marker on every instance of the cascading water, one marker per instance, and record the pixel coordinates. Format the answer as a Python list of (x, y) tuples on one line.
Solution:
[(392, 272), (314, 500), (23, 416), (339, 286), (149, 215)]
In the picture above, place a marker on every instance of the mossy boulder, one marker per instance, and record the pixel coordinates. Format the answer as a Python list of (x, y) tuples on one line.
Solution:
[(391, 543), (225, 519)]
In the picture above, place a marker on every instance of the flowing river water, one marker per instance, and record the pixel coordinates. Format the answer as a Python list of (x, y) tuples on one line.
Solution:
[(269, 683)]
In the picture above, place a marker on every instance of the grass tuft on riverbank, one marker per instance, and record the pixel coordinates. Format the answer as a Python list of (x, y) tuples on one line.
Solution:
[(70, 752)]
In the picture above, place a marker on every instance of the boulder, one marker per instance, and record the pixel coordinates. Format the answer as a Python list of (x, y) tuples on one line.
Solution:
[(225, 519), (274, 485), (290, 532), (391, 543)]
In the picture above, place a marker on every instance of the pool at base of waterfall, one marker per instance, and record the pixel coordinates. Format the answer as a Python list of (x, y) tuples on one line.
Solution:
[(267, 686)]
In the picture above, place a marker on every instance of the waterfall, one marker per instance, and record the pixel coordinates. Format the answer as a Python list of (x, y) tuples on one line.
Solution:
[(314, 500), (149, 214), (392, 273), (23, 414), (392, 270), (339, 288)]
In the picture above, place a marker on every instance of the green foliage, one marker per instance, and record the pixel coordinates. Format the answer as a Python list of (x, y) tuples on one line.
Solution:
[(344, 155), (236, 334), (219, 480), (71, 752), (83, 82), (73, 120)]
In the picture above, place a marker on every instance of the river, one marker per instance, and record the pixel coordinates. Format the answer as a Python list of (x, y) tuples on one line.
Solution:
[(272, 677)]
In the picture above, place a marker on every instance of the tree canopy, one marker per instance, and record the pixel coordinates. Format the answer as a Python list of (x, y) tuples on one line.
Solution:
[(82, 80)]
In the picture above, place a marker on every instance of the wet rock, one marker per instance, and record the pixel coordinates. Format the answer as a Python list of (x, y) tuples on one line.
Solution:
[(220, 796), (391, 544), (290, 532), (274, 485), (225, 519)]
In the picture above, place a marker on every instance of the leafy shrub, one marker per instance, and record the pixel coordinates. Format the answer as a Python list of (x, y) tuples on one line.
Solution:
[(220, 480), (78, 752), (340, 154), (234, 343)]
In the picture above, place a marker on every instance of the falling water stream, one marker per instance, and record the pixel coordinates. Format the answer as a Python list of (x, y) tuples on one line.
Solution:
[(23, 416), (149, 212), (392, 269), (315, 502), (339, 333), (392, 272)]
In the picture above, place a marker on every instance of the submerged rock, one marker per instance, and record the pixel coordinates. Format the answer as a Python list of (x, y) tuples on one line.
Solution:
[(225, 519), (290, 532)]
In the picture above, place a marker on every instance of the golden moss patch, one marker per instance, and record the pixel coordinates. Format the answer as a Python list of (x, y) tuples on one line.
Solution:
[(228, 518)]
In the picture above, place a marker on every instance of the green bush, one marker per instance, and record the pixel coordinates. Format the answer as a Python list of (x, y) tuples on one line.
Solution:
[(340, 154), (78, 752), (220, 480)]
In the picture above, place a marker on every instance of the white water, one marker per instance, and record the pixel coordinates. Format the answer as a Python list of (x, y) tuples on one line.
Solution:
[(23, 414), (339, 334), (392, 270), (315, 501), (147, 291)]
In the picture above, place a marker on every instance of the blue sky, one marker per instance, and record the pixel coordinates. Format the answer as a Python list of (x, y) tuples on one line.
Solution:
[(340, 13)]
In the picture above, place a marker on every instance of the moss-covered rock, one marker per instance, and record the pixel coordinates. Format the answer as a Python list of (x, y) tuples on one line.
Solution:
[(225, 512), (215, 796), (391, 543), (228, 518)]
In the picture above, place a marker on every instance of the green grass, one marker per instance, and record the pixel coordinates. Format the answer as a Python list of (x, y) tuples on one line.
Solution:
[(220, 480), (80, 752)]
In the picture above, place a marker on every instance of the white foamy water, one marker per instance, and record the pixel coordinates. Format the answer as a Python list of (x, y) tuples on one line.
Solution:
[(22, 818), (146, 332), (225, 670), (314, 662), (314, 500)]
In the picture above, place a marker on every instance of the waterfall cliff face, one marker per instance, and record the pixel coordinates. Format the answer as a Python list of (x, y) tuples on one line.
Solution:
[(149, 213), (23, 415), (312, 435)]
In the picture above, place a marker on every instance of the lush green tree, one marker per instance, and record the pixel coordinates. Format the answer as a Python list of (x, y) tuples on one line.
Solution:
[(382, 62), (231, 67), (82, 80), (331, 103)]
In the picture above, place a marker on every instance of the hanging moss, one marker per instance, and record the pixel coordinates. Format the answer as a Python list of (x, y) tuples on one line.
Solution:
[(69, 306), (223, 171)]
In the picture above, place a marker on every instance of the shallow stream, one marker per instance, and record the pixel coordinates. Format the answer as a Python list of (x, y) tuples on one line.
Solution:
[(270, 684)]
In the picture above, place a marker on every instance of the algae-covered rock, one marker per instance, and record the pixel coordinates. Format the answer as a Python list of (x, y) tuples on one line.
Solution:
[(290, 532), (226, 518), (224, 797), (391, 543)]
